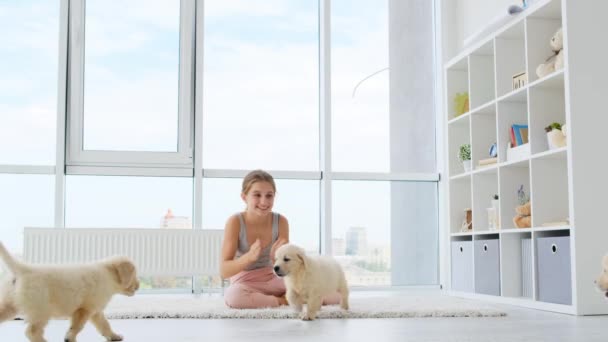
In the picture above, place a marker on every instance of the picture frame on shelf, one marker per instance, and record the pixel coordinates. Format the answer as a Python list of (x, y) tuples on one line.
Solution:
[(520, 80)]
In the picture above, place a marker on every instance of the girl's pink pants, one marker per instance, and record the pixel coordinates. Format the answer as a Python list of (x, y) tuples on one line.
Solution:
[(260, 288)]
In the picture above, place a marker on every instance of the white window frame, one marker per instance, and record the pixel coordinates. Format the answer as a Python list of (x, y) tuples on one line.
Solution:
[(76, 155)]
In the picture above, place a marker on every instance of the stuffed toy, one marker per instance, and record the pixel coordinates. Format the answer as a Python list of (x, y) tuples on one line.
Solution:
[(523, 219), (556, 61)]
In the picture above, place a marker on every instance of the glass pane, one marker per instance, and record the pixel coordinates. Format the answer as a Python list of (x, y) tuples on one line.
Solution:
[(297, 200), (166, 284), (128, 202), (261, 99), (131, 75), (386, 233), (360, 105), (28, 81), (26, 201)]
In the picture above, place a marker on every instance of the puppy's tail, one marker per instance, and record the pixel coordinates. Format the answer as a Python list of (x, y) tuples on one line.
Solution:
[(16, 267)]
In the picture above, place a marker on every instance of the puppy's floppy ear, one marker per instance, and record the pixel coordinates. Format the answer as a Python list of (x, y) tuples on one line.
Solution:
[(125, 270), (302, 256)]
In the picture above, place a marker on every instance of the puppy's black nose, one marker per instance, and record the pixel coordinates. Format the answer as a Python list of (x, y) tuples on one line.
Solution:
[(276, 268)]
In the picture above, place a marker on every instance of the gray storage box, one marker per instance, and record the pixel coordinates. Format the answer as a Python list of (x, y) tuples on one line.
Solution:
[(487, 266), (462, 266), (553, 262)]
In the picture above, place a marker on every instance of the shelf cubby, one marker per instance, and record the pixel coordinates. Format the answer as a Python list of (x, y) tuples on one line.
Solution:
[(483, 124), (481, 75), (510, 57), (485, 186), (459, 133), (547, 105), (460, 197), (516, 265), (540, 28), (457, 82), (511, 110), (550, 185), (512, 177)]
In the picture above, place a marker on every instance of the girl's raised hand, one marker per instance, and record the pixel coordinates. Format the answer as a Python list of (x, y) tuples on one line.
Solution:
[(254, 251)]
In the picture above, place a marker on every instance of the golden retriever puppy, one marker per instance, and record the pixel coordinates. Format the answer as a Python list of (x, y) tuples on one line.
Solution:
[(309, 278), (78, 292), (602, 280)]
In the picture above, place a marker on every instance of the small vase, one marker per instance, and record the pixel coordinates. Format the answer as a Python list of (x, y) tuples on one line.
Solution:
[(556, 139), (467, 165), (495, 205)]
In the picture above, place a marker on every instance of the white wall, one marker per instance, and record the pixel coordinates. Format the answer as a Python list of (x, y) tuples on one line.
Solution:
[(462, 18)]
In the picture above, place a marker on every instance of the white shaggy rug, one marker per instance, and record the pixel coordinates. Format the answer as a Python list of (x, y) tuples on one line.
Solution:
[(210, 307)]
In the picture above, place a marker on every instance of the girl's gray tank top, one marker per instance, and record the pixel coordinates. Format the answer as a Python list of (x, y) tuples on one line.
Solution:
[(243, 247)]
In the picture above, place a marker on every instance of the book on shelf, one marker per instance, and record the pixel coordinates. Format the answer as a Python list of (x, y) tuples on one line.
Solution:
[(487, 161), (512, 136), (519, 135)]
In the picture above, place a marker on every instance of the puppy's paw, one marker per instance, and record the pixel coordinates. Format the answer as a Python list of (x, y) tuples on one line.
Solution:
[(115, 337), (307, 317)]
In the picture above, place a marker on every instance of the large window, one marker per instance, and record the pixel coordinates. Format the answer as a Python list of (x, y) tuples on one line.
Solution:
[(132, 83), (261, 79), (26, 201), (360, 86), (28, 81), (128, 202), (168, 104), (386, 233), (131, 75)]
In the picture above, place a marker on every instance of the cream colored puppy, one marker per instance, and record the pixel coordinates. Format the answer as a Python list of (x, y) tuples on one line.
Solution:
[(79, 292), (602, 280), (309, 278)]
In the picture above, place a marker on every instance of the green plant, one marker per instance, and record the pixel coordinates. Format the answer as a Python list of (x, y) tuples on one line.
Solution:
[(554, 125), (465, 152)]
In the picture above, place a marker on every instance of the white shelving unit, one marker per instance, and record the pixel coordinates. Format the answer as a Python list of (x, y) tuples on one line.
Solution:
[(561, 182)]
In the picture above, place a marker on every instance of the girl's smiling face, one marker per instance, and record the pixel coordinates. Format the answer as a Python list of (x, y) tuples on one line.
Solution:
[(259, 198)]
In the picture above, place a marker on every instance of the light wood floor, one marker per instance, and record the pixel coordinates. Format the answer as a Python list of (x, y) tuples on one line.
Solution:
[(519, 325)]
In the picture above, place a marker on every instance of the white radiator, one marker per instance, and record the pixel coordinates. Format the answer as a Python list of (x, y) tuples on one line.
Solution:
[(156, 252)]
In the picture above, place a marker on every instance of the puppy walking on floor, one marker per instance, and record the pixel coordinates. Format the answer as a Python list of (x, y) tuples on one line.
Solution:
[(308, 279), (79, 292)]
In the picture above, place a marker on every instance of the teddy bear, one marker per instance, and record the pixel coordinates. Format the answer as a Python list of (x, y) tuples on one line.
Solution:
[(523, 219), (556, 61)]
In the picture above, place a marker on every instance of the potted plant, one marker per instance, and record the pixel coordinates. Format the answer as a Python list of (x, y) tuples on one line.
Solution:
[(555, 137), (464, 155)]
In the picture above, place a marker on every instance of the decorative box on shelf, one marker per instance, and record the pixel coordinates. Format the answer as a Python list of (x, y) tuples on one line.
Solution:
[(518, 152)]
